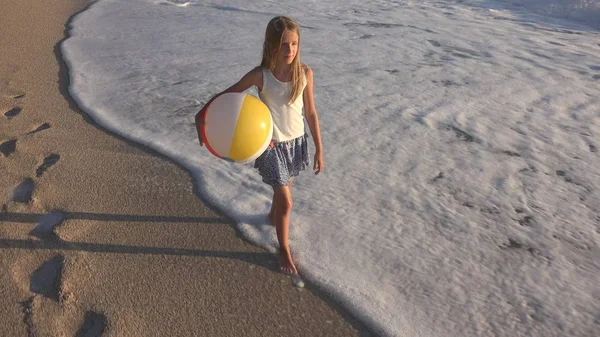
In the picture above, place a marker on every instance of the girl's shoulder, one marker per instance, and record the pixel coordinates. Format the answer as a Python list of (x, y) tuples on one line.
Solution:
[(256, 76), (306, 68), (308, 72), (257, 71)]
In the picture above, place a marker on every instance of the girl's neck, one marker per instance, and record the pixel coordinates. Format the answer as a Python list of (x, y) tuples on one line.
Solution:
[(283, 73), (282, 69)]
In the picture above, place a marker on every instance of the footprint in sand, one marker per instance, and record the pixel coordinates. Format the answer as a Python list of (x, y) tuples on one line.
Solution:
[(46, 225), (23, 192), (8, 147), (46, 280), (12, 112), (27, 308), (49, 161), (16, 94), (93, 325), (40, 128)]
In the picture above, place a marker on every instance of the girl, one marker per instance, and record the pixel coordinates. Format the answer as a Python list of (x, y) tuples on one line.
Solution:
[(286, 87)]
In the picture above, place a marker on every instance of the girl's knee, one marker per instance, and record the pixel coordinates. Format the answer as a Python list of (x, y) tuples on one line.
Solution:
[(284, 205), (282, 198)]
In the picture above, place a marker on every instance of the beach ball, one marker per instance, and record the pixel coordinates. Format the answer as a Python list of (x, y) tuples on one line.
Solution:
[(237, 127)]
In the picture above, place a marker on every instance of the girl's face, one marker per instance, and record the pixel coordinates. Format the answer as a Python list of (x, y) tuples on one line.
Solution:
[(289, 47)]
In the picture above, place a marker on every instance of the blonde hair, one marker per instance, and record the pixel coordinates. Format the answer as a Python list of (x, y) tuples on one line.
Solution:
[(273, 35)]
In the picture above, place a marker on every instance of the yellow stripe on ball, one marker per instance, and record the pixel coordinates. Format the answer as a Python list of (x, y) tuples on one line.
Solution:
[(248, 139)]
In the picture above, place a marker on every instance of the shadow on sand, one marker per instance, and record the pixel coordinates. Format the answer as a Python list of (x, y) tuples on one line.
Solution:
[(54, 243)]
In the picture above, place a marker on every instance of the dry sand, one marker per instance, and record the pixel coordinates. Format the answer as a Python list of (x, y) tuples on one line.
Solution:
[(100, 236)]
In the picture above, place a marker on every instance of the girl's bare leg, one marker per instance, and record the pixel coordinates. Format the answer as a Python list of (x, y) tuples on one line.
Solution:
[(273, 209), (282, 198)]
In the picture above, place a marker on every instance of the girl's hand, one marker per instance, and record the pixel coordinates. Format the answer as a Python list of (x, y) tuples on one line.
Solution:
[(318, 163)]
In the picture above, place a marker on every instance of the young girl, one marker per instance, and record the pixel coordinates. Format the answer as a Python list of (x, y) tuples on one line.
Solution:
[(286, 87)]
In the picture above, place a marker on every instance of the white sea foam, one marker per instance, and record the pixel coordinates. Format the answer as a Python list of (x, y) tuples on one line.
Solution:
[(460, 195), (582, 11)]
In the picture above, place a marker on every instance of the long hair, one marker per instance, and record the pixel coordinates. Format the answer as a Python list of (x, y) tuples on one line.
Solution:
[(273, 35)]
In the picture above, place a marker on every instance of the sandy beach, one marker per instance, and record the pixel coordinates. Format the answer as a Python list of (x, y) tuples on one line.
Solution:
[(100, 236)]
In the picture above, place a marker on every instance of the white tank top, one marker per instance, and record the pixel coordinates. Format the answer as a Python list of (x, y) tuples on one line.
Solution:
[(288, 122)]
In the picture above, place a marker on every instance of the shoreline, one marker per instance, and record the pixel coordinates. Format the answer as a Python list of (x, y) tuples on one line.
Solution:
[(111, 261)]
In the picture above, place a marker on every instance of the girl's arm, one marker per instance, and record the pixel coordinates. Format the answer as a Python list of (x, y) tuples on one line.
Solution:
[(253, 77), (312, 119)]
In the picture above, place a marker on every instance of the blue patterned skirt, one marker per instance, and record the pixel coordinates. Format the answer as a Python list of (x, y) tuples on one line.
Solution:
[(278, 164)]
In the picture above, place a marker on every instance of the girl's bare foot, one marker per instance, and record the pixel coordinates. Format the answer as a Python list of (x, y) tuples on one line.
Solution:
[(286, 265)]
